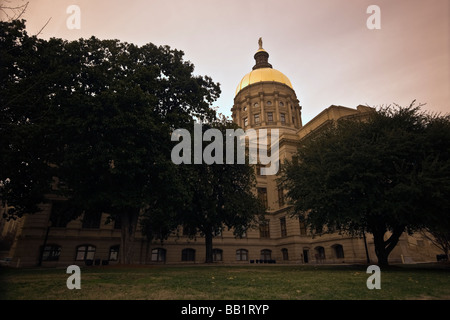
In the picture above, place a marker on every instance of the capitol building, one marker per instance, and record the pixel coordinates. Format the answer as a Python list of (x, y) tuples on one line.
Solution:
[(265, 98)]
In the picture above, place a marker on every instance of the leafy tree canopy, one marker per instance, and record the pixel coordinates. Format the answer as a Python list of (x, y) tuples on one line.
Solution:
[(96, 114), (384, 175)]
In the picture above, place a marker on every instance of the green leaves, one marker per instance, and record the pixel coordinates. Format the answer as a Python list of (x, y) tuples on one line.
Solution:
[(219, 195), (99, 111), (387, 173)]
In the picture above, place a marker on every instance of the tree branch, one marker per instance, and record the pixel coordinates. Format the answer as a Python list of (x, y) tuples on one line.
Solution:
[(43, 26)]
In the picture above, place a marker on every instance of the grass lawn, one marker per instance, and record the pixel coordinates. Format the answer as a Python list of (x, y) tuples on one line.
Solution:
[(250, 282)]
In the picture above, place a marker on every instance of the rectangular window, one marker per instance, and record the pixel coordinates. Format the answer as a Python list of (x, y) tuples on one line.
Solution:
[(270, 116), (293, 120), (85, 252), (80, 255), (266, 255), (262, 196), (283, 227), (280, 197), (285, 254), (188, 255), (258, 169), (114, 253), (51, 253), (282, 118), (217, 254), (90, 253), (264, 229), (302, 228), (256, 117), (241, 255), (158, 255)]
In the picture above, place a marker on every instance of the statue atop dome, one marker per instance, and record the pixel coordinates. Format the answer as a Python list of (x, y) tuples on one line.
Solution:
[(261, 57)]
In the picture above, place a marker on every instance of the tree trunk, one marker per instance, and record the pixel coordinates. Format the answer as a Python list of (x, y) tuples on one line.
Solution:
[(384, 248), (380, 250), (209, 247), (129, 220)]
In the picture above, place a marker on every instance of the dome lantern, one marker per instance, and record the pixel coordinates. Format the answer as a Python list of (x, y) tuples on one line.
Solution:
[(261, 57)]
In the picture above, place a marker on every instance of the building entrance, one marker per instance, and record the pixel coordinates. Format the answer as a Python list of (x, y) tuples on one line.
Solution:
[(305, 255)]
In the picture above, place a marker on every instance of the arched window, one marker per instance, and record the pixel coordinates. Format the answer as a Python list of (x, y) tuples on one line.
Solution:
[(188, 255), (114, 253), (320, 253), (241, 255), (266, 254), (338, 251), (51, 252), (217, 254), (285, 254), (159, 255), (85, 252)]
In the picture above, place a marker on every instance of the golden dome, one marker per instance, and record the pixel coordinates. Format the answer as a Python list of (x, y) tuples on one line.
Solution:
[(261, 75)]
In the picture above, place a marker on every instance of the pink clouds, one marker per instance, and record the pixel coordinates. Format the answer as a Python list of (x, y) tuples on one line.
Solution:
[(323, 46)]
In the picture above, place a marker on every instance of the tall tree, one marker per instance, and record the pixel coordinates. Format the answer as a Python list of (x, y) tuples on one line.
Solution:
[(116, 147), (221, 196), (25, 174), (101, 112), (371, 176), (434, 180)]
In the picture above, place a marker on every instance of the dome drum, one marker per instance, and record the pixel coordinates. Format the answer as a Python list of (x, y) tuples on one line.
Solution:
[(270, 104)]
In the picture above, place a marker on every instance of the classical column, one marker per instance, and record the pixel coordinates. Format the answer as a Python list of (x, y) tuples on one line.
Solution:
[(238, 116), (300, 123), (297, 112), (262, 118), (289, 106), (276, 119), (250, 113)]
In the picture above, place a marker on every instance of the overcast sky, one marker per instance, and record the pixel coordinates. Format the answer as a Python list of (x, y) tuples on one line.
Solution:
[(323, 46)]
